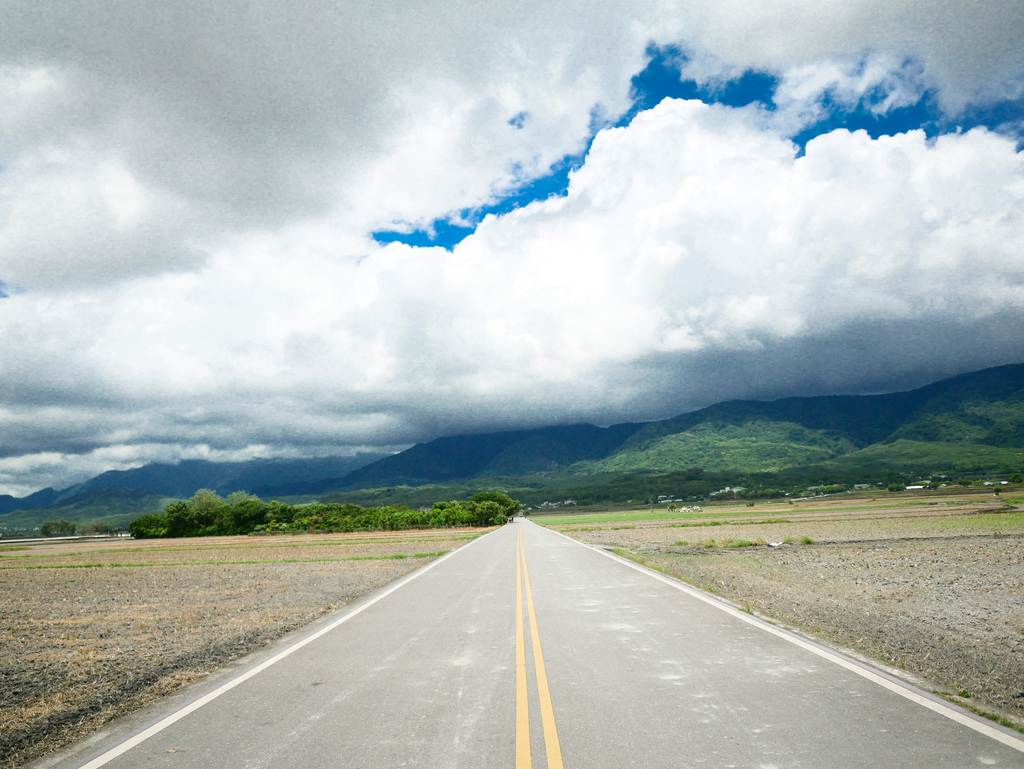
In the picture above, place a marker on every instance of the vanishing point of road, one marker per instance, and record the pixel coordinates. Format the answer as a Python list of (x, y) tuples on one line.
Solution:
[(525, 649)]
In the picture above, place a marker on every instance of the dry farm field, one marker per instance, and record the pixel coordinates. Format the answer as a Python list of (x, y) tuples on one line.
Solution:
[(92, 630), (930, 585)]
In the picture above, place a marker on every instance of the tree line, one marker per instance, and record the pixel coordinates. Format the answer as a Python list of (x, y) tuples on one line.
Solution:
[(207, 514)]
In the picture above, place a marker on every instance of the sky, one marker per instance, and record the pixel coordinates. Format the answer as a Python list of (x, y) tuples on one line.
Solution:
[(242, 229)]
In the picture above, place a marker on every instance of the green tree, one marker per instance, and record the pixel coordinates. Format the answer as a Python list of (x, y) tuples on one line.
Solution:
[(506, 505), (60, 528), (148, 526), (235, 497)]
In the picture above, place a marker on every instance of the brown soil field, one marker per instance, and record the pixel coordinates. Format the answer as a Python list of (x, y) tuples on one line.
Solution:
[(93, 630), (934, 590)]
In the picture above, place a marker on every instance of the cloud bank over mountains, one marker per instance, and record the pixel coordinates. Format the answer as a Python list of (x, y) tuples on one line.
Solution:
[(189, 197)]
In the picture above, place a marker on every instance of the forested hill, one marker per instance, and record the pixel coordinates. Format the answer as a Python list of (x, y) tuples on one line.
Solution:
[(42, 498), (509, 454), (867, 419), (985, 408)]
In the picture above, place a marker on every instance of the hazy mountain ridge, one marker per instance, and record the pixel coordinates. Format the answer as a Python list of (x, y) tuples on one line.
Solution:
[(183, 479), (42, 498), (113, 507)]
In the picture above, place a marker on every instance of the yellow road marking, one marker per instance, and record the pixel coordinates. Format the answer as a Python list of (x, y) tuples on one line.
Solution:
[(547, 711), (523, 757)]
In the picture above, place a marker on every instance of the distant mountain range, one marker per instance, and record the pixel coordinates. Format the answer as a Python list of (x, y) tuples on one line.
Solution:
[(182, 480), (969, 423), (983, 410)]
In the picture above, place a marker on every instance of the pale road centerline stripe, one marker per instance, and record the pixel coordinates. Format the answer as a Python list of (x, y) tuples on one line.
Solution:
[(523, 758), (547, 711), (898, 687), (154, 729)]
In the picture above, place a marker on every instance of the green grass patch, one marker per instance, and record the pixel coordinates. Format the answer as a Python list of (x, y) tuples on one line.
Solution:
[(962, 694), (1009, 518), (637, 516), (732, 543), (996, 717), (616, 517)]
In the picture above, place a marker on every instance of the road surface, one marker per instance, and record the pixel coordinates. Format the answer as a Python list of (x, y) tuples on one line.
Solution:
[(526, 649)]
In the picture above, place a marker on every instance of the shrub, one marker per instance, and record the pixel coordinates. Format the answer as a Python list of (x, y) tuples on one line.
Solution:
[(148, 527)]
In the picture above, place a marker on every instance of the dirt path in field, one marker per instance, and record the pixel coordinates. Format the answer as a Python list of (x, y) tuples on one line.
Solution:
[(937, 593), (93, 631)]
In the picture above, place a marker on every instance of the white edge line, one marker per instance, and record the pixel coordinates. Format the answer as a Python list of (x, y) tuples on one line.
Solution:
[(177, 715), (862, 670)]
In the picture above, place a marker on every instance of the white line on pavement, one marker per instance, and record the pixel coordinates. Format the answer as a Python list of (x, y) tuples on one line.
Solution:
[(123, 747), (875, 676)]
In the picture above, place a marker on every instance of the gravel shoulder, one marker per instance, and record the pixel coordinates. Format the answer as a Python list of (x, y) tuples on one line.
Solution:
[(936, 592), (91, 631)]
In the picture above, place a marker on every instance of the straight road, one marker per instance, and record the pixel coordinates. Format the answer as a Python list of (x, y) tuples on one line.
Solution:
[(526, 649)]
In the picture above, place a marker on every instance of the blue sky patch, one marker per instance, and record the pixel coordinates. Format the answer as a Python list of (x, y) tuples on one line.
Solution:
[(442, 233), (447, 235), (1004, 116), (925, 114), (662, 78), (519, 120)]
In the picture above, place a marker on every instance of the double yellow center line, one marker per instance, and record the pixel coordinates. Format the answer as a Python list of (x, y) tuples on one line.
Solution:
[(524, 760)]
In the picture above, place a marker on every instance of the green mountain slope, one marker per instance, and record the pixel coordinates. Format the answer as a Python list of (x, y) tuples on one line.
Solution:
[(755, 445), (930, 426), (924, 458), (114, 508), (985, 408), (514, 453)]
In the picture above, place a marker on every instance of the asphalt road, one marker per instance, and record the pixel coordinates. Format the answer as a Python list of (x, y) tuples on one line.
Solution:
[(525, 649)]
